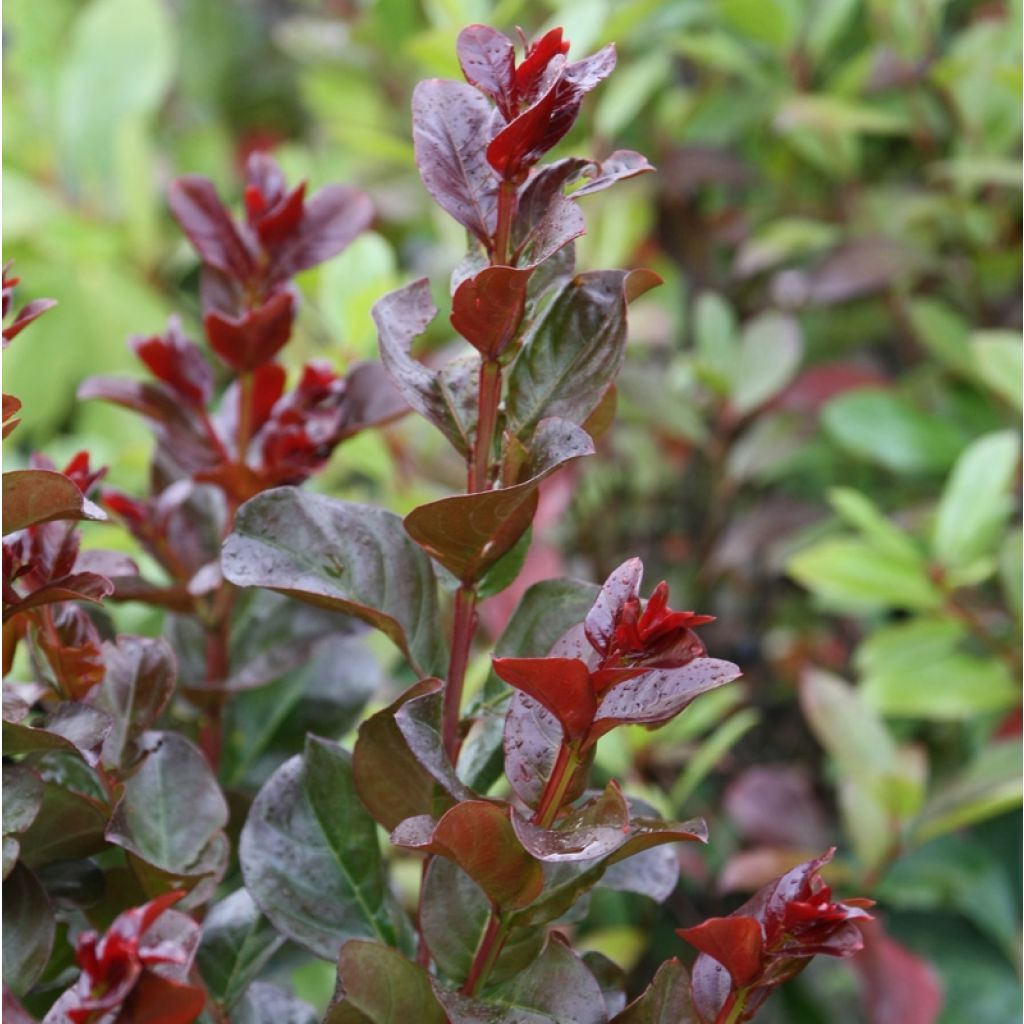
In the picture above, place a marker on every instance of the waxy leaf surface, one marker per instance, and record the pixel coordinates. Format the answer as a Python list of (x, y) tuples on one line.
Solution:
[(666, 1000), (339, 555), (310, 857), (32, 496)]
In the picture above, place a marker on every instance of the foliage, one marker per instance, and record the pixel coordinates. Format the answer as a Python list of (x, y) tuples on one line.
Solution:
[(815, 440)]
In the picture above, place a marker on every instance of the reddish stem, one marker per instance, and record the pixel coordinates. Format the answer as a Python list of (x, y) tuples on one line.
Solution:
[(557, 785), (506, 213), (491, 944), (462, 639), (488, 401), (245, 398)]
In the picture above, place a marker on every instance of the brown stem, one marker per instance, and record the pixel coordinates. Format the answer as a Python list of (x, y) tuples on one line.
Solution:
[(557, 786), (1006, 651), (462, 639), (491, 944), (245, 384)]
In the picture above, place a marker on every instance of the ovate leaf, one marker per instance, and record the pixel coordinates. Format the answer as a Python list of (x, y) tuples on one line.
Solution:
[(28, 928), (32, 496)]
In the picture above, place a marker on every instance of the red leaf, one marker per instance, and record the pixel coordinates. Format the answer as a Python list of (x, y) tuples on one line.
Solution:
[(34, 496), (538, 56), (178, 362), (562, 685), (210, 228), (487, 308), (25, 316), (254, 339), (897, 986), (737, 943)]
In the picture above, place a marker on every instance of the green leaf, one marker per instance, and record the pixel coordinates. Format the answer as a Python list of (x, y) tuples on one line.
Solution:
[(998, 362), (381, 986), (336, 554), (884, 428), (29, 929), (310, 857), (990, 785), (769, 355), (857, 576), (112, 42), (665, 1001), (717, 339), (703, 760), (574, 353), (774, 22), (943, 332), (556, 988), (237, 942), (860, 512), (171, 806), (22, 797), (453, 915), (977, 499), (32, 496)]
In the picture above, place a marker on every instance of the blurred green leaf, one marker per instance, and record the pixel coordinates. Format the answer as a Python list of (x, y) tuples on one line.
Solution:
[(998, 361), (977, 499), (769, 355)]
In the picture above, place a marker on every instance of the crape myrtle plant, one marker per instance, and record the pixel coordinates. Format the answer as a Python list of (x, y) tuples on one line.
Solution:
[(116, 837)]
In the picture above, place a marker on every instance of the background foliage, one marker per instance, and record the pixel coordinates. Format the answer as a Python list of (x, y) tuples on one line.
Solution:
[(817, 436)]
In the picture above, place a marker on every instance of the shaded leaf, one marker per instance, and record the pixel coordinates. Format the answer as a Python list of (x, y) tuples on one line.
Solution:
[(310, 858), (665, 1001), (350, 558), (28, 928), (768, 357), (71, 726), (22, 797), (266, 1003)]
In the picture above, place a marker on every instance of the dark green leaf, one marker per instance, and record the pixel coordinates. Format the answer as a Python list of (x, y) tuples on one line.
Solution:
[(28, 927), (22, 797), (665, 1001), (310, 857)]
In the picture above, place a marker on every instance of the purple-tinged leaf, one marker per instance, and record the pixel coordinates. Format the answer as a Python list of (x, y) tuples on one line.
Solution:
[(540, 190), (29, 930), (775, 805), (658, 696), (310, 857), (610, 976), (33, 496), (575, 351), (330, 222), (453, 916), (479, 837), (451, 126), (666, 1000), (590, 72), (556, 987), (378, 985), (210, 228), (562, 223), (23, 791), (443, 398), (71, 727), (488, 60), (487, 308), (77, 586), (138, 685), (562, 685), (623, 163), (371, 399), (621, 586), (392, 781), (170, 807), (710, 987), (263, 1002), (342, 556), (469, 533), (32, 311), (178, 362)]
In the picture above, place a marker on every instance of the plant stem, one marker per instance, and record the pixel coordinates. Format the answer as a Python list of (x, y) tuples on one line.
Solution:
[(733, 1009), (245, 396), (557, 786), (488, 400), (218, 660), (491, 944), (506, 212), (462, 639)]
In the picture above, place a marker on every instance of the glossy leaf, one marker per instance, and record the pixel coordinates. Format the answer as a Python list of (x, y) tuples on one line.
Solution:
[(487, 308), (310, 858), (556, 987), (137, 687), (480, 838), (29, 929), (390, 759), (446, 398), (380, 986), (237, 942), (487, 59), (665, 1001), (71, 726), (77, 586), (342, 556), (658, 696), (469, 533), (622, 164), (450, 129), (171, 806), (562, 685), (22, 797), (32, 496), (575, 351), (736, 942)]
